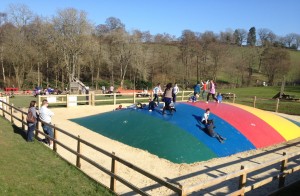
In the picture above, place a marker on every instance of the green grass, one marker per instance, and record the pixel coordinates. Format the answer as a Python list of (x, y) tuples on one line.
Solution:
[(33, 169), (264, 98)]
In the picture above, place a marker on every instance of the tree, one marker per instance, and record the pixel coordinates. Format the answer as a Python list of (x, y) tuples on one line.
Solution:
[(72, 28), (290, 39), (275, 62), (251, 39), (266, 36), (239, 36)]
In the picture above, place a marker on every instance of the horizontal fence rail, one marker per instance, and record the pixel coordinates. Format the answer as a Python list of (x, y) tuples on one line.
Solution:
[(182, 189)]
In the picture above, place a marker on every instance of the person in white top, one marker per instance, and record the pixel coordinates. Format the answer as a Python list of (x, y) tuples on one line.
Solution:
[(156, 91), (205, 116), (175, 92), (45, 116)]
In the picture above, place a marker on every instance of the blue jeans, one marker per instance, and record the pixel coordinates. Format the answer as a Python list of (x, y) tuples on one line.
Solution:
[(48, 130), (156, 98), (30, 135)]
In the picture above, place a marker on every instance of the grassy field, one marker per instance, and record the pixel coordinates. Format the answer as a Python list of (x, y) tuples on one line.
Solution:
[(33, 169), (264, 98)]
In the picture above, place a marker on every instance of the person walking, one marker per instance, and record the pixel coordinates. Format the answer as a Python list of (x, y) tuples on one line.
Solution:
[(45, 116), (31, 121), (175, 92), (212, 91), (156, 91)]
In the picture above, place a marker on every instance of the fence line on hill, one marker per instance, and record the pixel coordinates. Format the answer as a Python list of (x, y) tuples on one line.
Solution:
[(181, 189), (113, 98)]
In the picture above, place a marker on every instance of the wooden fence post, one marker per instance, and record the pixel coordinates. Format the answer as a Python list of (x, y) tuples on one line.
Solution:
[(133, 97), (93, 99), (183, 193), (67, 97), (113, 170), (182, 96), (254, 101), (115, 99), (23, 126), (55, 138), (11, 113), (282, 169), (233, 100), (39, 101), (37, 127), (78, 164), (3, 113), (277, 105), (242, 181)]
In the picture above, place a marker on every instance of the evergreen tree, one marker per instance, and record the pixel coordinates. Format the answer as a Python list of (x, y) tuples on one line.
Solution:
[(251, 39)]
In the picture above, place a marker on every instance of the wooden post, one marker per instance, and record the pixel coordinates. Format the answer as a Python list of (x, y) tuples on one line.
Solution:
[(115, 98), (3, 113), (113, 170), (67, 97), (134, 97), (11, 113), (78, 164), (183, 193), (233, 100), (90, 98), (242, 181), (182, 96), (277, 105), (254, 101), (282, 168), (39, 101), (37, 127), (93, 98), (23, 126), (55, 138)]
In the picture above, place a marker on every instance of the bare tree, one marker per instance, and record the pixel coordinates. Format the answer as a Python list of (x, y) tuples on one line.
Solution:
[(240, 36), (276, 63), (71, 28)]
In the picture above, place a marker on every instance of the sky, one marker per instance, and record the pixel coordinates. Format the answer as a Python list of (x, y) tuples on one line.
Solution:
[(173, 16)]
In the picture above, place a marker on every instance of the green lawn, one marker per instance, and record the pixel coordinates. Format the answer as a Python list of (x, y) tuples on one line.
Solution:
[(33, 169), (264, 98)]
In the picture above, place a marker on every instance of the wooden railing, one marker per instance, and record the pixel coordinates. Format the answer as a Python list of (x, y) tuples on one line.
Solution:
[(112, 99), (112, 173), (184, 189)]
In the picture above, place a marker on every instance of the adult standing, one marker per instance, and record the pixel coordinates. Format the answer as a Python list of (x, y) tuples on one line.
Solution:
[(45, 116), (167, 97), (156, 91), (31, 125), (212, 91), (175, 92)]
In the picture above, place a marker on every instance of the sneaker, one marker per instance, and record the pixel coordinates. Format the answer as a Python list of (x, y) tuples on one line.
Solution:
[(150, 110), (206, 102)]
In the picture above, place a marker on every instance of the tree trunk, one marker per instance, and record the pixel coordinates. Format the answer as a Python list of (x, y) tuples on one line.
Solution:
[(3, 69)]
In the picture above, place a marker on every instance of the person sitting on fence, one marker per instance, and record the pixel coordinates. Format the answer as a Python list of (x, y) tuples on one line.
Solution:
[(193, 98), (45, 116)]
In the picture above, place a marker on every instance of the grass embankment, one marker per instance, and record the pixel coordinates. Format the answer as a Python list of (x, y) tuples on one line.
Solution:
[(33, 169), (264, 99)]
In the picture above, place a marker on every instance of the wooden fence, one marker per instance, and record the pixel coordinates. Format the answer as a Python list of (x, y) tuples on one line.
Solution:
[(185, 189), (114, 98)]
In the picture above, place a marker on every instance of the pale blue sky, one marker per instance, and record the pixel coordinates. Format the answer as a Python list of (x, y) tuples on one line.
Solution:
[(174, 16)]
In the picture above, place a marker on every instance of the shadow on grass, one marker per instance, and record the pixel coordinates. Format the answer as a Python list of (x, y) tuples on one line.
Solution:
[(19, 131)]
